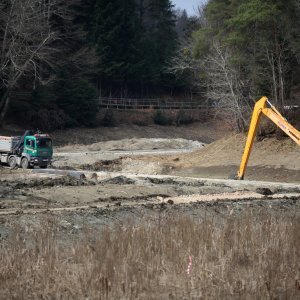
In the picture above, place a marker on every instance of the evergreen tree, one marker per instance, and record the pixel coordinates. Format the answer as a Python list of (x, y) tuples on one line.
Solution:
[(262, 37), (114, 33), (134, 41), (159, 40)]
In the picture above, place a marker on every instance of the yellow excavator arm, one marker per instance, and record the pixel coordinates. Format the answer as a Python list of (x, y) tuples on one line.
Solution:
[(261, 107)]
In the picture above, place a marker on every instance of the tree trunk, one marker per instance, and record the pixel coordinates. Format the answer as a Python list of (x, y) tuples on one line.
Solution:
[(275, 88), (4, 106), (281, 82)]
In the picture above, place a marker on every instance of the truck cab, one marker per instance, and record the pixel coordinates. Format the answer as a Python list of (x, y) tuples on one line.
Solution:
[(26, 151), (37, 151)]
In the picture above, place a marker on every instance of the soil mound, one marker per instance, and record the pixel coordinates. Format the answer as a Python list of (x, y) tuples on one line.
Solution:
[(40, 183), (135, 144), (271, 152), (120, 180), (104, 165)]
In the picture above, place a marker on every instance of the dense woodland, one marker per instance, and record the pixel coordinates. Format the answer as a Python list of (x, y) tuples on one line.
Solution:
[(57, 57)]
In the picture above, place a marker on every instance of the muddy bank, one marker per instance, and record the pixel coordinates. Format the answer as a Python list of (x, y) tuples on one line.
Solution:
[(263, 173), (34, 195), (140, 210)]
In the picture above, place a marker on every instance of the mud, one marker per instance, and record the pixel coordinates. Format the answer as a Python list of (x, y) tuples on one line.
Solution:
[(68, 191), (119, 180), (40, 183), (104, 165), (116, 211), (74, 205), (261, 173)]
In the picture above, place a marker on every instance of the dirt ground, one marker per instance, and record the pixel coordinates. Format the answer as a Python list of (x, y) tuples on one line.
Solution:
[(202, 132), (27, 199), (271, 159), (118, 174)]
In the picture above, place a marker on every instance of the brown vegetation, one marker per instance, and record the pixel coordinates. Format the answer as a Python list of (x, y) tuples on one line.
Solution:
[(247, 257), (146, 117)]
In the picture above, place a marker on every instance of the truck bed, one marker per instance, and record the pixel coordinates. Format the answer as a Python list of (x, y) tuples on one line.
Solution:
[(7, 143)]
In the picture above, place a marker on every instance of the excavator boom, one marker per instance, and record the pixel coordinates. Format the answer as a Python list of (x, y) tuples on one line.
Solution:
[(261, 107)]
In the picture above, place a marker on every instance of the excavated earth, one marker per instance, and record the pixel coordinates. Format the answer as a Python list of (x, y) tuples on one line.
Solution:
[(107, 183), (109, 199)]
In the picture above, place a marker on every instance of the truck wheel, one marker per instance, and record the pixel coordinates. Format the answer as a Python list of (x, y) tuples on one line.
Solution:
[(25, 163), (12, 162)]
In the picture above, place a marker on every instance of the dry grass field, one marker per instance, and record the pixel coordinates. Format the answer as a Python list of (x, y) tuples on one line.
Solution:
[(244, 257)]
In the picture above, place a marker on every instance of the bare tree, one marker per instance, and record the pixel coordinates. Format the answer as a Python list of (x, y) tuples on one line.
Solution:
[(26, 42), (182, 61), (215, 75), (185, 64), (225, 86)]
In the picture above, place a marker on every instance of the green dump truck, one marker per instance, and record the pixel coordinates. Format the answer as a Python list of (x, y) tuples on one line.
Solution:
[(31, 149)]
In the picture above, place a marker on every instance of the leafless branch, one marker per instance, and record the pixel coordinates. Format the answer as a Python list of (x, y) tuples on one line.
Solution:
[(185, 63), (27, 40), (224, 85)]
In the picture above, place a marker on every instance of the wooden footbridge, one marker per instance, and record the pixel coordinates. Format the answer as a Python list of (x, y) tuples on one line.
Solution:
[(144, 104)]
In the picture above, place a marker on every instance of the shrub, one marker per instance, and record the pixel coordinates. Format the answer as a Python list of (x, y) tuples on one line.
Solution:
[(184, 118), (109, 119), (161, 118), (78, 100), (48, 119)]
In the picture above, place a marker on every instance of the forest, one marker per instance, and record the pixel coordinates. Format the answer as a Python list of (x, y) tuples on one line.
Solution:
[(57, 57)]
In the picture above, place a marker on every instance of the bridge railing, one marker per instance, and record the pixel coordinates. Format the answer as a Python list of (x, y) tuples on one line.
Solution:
[(122, 103)]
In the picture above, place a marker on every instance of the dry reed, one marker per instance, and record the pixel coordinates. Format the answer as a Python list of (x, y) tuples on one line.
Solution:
[(247, 257)]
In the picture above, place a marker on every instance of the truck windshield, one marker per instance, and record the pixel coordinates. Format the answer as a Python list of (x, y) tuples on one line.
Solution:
[(44, 143)]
